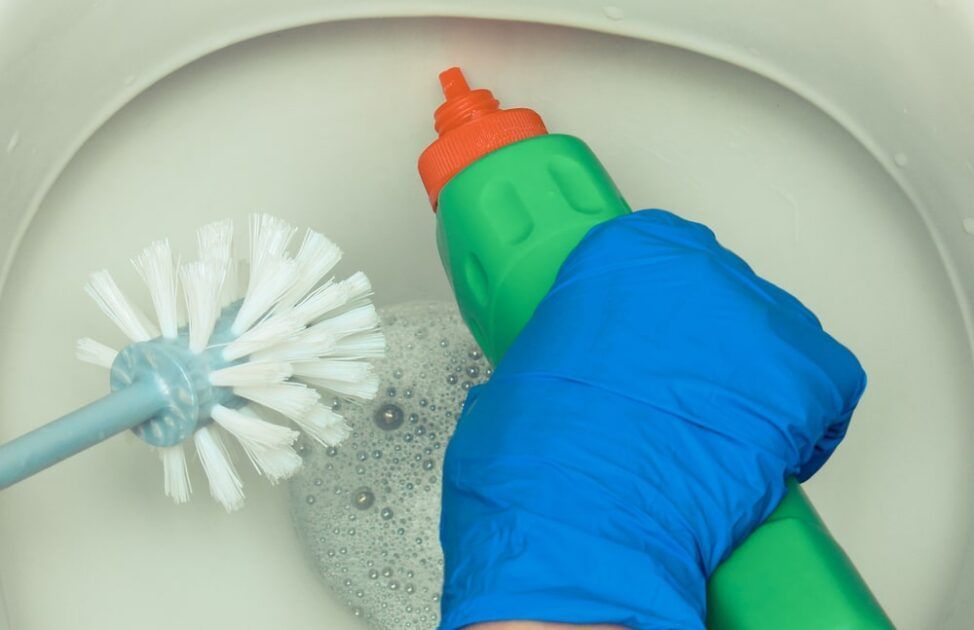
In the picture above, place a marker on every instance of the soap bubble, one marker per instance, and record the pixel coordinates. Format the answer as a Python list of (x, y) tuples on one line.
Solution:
[(389, 463)]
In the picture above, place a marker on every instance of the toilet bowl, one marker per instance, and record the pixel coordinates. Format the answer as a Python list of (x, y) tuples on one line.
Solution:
[(831, 145)]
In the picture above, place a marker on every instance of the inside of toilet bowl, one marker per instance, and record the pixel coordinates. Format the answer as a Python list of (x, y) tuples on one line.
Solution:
[(299, 123)]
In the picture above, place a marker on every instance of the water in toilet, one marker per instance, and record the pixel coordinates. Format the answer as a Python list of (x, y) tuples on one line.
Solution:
[(298, 123)]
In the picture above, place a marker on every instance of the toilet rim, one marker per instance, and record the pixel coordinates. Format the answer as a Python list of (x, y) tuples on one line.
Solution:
[(626, 18), (939, 179)]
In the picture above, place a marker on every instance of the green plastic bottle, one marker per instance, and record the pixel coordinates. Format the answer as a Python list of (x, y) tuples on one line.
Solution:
[(512, 201)]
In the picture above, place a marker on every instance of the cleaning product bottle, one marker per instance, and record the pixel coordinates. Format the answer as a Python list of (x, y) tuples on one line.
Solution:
[(512, 201)]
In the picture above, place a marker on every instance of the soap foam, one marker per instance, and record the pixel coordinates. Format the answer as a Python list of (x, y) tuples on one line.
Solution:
[(368, 511)]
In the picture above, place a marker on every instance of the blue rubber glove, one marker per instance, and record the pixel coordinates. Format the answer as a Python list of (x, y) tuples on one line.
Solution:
[(642, 425)]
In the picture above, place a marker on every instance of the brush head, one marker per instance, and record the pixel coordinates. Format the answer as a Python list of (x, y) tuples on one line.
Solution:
[(295, 330)]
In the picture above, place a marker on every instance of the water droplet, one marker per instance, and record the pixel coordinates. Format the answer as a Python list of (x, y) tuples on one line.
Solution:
[(400, 531), (423, 402), (428, 464), (397, 373), (413, 417), (387, 572), (475, 354), (373, 574), (408, 393), (901, 158), (391, 392), (421, 333), (357, 612), (473, 371), (362, 456), (347, 582), (319, 481), (342, 551), (386, 514), (310, 499), (466, 385), (408, 437), (377, 454), (388, 417), (452, 379), (444, 343), (488, 371), (393, 585), (364, 498), (331, 451), (613, 13), (336, 404), (359, 593)]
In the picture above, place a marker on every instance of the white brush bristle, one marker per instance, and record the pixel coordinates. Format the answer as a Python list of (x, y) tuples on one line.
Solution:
[(327, 297), (113, 303), (316, 258), (268, 445), (292, 400), (359, 288), (293, 322), (95, 352), (225, 484), (275, 330), (175, 473), (273, 280), (370, 345), (215, 241), (251, 374), (202, 285), (325, 426), (347, 378), (357, 320), (307, 346), (155, 265)]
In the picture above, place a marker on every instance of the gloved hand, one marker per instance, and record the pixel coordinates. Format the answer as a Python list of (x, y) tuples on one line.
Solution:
[(642, 424)]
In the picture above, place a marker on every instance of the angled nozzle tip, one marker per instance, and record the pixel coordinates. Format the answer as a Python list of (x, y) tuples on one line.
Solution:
[(453, 82)]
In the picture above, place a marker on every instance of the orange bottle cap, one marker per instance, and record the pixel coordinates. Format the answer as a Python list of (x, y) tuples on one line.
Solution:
[(470, 124)]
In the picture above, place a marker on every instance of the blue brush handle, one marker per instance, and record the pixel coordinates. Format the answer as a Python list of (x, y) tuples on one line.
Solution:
[(81, 429)]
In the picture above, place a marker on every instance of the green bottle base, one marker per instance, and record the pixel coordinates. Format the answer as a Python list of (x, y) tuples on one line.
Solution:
[(505, 225)]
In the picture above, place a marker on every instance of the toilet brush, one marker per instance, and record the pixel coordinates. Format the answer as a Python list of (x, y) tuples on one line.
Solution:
[(294, 330)]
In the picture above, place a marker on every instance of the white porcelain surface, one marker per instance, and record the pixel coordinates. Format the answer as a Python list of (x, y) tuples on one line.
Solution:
[(322, 125)]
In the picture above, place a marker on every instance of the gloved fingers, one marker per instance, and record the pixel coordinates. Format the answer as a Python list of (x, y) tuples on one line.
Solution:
[(680, 323)]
